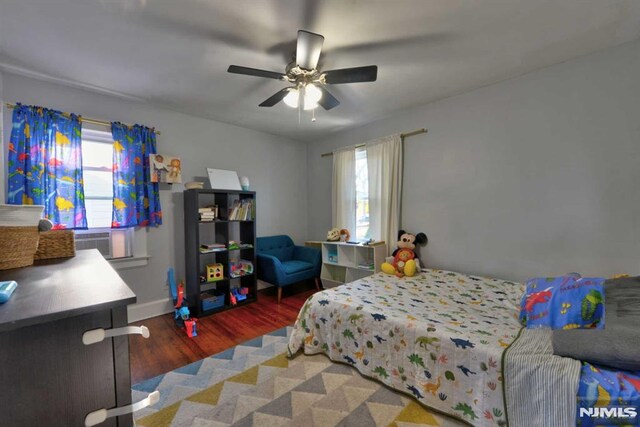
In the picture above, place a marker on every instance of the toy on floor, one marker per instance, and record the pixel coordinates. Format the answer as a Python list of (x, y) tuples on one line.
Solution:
[(182, 315), (190, 327), (404, 256)]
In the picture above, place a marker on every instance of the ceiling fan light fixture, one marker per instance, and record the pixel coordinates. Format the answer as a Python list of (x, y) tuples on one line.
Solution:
[(292, 98), (311, 96), (307, 83)]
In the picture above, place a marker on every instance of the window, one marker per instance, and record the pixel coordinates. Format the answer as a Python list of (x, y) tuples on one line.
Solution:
[(97, 164), (97, 173), (362, 195), (365, 190)]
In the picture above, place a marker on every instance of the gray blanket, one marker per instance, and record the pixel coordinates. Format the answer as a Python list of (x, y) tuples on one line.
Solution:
[(618, 344), (540, 388)]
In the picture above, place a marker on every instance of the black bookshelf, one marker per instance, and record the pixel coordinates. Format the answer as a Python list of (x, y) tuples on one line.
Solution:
[(221, 230)]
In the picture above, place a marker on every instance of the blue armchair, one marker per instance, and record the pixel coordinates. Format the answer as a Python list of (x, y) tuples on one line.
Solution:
[(282, 263)]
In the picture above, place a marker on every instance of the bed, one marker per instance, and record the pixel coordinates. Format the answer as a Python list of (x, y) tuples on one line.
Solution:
[(439, 336)]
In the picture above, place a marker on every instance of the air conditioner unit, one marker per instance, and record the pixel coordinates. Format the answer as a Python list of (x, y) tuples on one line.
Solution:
[(111, 244)]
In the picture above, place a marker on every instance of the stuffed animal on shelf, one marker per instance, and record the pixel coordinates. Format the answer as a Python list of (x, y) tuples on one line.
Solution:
[(333, 235), (338, 235), (404, 263)]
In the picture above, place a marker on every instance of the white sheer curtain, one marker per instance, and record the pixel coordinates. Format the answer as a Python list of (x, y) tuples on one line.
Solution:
[(384, 162), (343, 192)]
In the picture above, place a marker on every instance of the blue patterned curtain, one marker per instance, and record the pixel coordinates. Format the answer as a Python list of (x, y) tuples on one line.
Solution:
[(136, 200), (45, 164)]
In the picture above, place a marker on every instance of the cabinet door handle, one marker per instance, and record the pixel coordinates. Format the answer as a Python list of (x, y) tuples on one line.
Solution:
[(96, 335), (101, 415)]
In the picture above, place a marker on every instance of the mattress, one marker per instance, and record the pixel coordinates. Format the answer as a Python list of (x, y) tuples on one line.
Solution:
[(438, 336)]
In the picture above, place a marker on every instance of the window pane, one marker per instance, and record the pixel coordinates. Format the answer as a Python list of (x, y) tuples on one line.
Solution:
[(97, 161), (98, 213), (362, 196), (97, 184), (97, 154)]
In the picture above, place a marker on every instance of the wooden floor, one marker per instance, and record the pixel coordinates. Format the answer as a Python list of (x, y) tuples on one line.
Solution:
[(169, 348)]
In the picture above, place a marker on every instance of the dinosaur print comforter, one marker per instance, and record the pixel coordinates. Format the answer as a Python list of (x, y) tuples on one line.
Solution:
[(438, 336)]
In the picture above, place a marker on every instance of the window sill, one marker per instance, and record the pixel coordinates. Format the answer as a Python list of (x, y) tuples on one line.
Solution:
[(130, 262)]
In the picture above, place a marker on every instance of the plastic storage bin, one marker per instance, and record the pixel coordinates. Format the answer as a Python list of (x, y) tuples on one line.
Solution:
[(212, 300)]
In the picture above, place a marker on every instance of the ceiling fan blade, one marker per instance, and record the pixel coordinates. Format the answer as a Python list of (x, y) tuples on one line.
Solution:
[(327, 101), (275, 98), (308, 49), (236, 69), (351, 75)]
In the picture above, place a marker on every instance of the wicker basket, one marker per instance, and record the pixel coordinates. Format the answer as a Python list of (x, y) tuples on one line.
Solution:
[(17, 246), (56, 244)]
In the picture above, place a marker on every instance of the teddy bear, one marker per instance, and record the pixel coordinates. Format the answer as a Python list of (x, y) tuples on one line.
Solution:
[(404, 263)]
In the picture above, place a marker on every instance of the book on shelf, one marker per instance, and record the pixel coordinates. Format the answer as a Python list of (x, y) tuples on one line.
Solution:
[(212, 245), (233, 211), (206, 251), (210, 208), (206, 248), (208, 213), (242, 210)]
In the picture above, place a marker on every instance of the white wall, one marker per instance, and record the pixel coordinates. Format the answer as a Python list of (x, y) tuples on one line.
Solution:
[(275, 165), (532, 176)]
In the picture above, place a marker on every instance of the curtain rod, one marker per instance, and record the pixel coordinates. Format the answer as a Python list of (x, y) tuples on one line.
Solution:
[(86, 119), (402, 135)]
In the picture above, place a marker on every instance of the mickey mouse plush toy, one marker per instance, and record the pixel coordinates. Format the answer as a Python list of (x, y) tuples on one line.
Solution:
[(404, 263)]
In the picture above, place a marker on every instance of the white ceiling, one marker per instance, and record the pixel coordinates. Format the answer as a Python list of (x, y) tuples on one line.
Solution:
[(176, 53)]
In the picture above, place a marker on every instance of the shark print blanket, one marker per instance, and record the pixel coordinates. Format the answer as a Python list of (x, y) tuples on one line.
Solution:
[(565, 302), (438, 336)]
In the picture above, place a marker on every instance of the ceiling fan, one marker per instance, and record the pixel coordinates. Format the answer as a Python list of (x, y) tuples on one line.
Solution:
[(308, 83)]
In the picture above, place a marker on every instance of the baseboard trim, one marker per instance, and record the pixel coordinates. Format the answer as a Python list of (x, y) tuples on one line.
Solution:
[(149, 309)]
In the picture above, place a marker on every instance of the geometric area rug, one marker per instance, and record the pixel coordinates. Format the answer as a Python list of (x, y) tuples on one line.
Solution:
[(255, 384)]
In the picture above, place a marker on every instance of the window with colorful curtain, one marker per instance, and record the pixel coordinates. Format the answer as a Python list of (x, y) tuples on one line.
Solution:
[(136, 200), (45, 164)]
